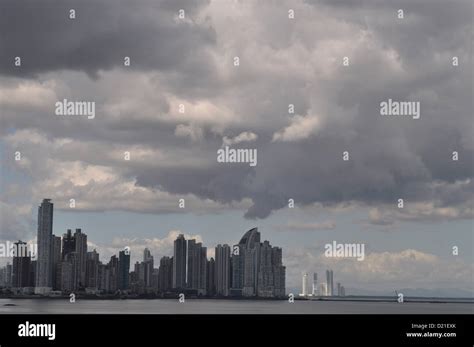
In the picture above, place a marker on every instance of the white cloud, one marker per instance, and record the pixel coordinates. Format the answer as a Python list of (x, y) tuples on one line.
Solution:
[(246, 136), (299, 129)]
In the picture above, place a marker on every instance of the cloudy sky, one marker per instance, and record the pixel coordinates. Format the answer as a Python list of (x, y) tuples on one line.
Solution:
[(187, 64)]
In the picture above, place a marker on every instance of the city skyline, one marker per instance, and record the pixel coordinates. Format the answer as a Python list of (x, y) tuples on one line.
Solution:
[(64, 265), (120, 116), (74, 249)]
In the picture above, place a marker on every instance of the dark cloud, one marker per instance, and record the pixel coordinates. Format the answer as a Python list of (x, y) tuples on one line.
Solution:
[(100, 36)]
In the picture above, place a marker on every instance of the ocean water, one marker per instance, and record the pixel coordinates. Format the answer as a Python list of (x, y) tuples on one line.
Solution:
[(203, 306)]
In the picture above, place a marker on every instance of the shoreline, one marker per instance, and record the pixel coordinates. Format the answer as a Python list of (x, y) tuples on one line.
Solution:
[(325, 299)]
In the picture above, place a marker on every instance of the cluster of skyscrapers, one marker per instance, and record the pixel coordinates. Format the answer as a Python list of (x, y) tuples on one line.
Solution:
[(64, 265), (324, 289)]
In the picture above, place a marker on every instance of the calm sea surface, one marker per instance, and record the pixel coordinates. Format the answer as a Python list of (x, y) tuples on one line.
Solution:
[(202, 306)]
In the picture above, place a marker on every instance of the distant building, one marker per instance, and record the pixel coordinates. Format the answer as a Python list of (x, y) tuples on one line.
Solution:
[(338, 289), (211, 277), (81, 250), (124, 270), (8, 275), (64, 279), (44, 266), (257, 268), (197, 267), (329, 282), (69, 243), (304, 285), (165, 274), (92, 270), (323, 289), (112, 271), (222, 274), (238, 268), (21, 267), (250, 243), (56, 258), (179, 263), (148, 264), (314, 291)]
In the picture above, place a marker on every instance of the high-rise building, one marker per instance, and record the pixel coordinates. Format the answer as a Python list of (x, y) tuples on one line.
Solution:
[(65, 272), (56, 258), (238, 267), (343, 291), (314, 291), (165, 274), (304, 285), (148, 264), (179, 263), (266, 273), (44, 265), (197, 267), (112, 270), (329, 283), (123, 270), (21, 266), (323, 289), (8, 275), (69, 243), (250, 243), (257, 268), (73, 259), (222, 274), (338, 289), (211, 277), (81, 250), (155, 277), (92, 270), (32, 279)]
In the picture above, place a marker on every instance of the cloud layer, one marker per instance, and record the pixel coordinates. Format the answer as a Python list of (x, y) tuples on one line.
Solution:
[(182, 98)]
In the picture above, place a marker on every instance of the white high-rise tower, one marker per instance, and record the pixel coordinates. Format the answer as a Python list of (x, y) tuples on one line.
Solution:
[(315, 285), (304, 289)]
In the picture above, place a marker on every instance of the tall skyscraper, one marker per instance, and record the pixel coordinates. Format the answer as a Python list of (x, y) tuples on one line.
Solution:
[(112, 271), (338, 289), (71, 279), (238, 267), (211, 277), (250, 243), (65, 272), (222, 254), (323, 289), (329, 283), (148, 264), (32, 280), (44, 264), (179, 263), (81, 250), (92, 270), (314, 291), (197, 266), (124, 270), (165, 274), (257, 268), (69, 243), (56, 258), (304, 285), (21, 266), (8, 275)]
